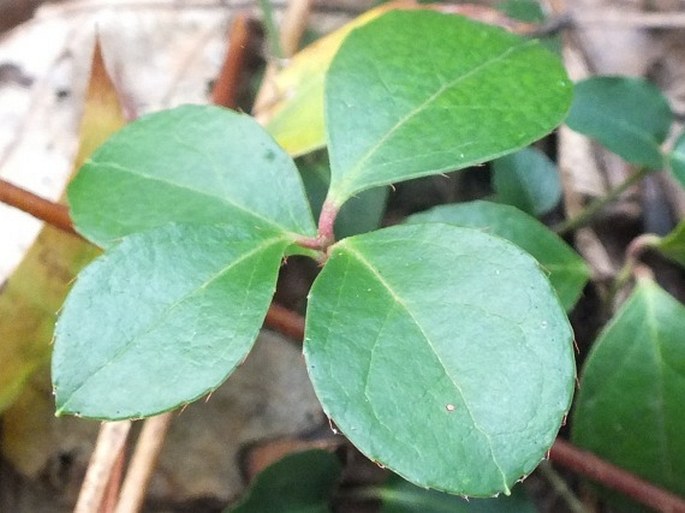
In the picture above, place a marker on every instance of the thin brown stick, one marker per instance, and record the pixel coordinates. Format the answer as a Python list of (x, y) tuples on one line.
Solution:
[(110, 442), (143, 463), (293, 25), (227, 87), (52, 213), (285, 322), (611, 476), (109, 501)]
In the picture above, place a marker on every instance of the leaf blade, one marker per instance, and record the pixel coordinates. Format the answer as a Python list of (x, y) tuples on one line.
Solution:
[(527, 180), (478, 99), (568, 272), (629, 407), (629, 116), (191, 164), (384, 336), (165, 342), (298, 483)]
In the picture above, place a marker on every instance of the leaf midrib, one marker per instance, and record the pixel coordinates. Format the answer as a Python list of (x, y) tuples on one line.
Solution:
[(348, 176), (167, 310), (125, 170), (349, 248)]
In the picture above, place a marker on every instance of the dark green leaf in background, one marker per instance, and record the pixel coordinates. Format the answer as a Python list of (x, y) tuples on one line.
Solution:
[(193, 164), (405, 99), (673, 244), (631, 402), (163, 318), (528, 180), (299, 483), (568, 272), (524, 10), (630, 116), (400, 496), (442, 353), (677, 159)]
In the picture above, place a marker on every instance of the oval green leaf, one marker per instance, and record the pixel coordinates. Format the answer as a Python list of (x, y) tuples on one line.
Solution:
[(677, 159), (567, 272), (400, 496), (163, 318), (629, 116), (442, 353), (299, 483), (192, 164), (528, 180), (630, 401), (417, 93)]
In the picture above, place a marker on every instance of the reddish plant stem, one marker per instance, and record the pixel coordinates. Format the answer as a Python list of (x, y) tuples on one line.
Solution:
[(52, 213), (329, 211), (242, 41), (611, 476)]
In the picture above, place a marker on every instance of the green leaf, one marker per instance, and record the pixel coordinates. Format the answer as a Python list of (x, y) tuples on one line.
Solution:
[(524, 10), (630, 408), (442, 353), (417, 93), (677, 159), (673, 245), (360, 214), (568, 273), (299, 483), (400, 496), (630, 116), (163, 318), (527, 179), (192, 164)]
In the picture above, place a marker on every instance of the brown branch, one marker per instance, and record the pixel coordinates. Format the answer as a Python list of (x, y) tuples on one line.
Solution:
[(243, 37), (52, 213), (611, 476), (284, 321)]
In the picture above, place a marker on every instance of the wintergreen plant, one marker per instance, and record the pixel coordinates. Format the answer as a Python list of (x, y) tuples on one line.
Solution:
[(441, 352)]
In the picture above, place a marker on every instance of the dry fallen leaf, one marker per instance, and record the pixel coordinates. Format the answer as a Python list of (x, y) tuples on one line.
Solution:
[(34, 293)]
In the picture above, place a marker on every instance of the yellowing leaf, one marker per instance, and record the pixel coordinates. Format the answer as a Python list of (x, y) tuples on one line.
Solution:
[(31, 297), (290, 104)]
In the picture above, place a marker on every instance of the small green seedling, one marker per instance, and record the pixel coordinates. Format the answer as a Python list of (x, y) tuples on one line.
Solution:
[(441, 352)]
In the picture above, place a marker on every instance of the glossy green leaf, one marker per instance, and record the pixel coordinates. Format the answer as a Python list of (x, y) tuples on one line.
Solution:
[(568, 273), (360, 214), (673, 244), (299, 483), (630, 116), (528, 180), (442, 353), (631, 402), (193, 164), (417, 93), (400, 496), (163, 318), (677, 159)]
